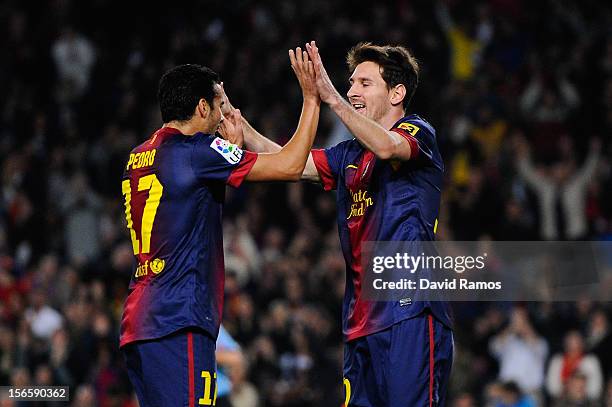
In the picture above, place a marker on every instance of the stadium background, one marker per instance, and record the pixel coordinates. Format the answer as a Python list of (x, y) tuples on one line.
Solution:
[(78, 83)]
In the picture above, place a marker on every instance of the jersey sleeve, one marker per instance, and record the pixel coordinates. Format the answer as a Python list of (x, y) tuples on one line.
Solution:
[(216, 159), (421, 140), (328, 162)]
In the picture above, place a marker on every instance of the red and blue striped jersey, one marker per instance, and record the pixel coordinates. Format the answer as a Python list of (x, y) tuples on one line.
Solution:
[(174, 189), (383, 200)]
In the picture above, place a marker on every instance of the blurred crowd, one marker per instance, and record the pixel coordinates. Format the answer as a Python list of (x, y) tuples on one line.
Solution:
[(520, 93)]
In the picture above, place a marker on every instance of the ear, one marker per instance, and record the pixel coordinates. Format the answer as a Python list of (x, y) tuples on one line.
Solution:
[(398, 93), (202, 109)]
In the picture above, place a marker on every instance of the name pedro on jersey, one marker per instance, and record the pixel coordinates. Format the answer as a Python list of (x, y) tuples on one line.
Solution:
[(142, 159), (426, 284)]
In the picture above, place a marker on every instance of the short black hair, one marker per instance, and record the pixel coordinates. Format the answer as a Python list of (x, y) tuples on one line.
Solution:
[(181, 88), (397, 64)]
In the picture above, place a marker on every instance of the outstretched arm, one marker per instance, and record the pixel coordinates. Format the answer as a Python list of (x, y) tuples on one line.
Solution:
[(257, 142), (383, 143)]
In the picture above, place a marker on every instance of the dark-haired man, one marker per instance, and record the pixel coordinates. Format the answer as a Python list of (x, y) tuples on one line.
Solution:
[(388, 181), (174, 187)]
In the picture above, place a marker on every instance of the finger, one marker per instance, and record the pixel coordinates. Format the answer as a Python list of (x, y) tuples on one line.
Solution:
[(311, 70), (298, 56), (316, 62), (292, 58), (317, 56), (313, 55), (228, 117), (305, 58), (238, 122), (309, 49)]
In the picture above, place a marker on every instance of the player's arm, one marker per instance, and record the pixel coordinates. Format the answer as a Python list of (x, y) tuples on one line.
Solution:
[(288, 163), (258, 143), (253, 140), (383, 143)]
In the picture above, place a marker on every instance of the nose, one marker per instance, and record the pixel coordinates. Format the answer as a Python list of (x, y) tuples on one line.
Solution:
[(352, 92)]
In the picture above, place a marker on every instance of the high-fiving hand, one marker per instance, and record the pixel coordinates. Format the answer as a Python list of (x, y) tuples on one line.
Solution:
[(304, 71), (326, 88), (231, 127), (226, 106)]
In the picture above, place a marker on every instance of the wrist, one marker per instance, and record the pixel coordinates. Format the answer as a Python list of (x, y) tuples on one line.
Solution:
[(335, 100), (312, 100)]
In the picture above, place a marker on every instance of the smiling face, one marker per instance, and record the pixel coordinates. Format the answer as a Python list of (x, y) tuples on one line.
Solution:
[(369, 93)]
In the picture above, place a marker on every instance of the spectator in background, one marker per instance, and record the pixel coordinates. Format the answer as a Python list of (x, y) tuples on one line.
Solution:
[(244, 393), (233, 389), (488, 132), (574, 361), (561, 192), (464, 400), (521, 353), (81, 207), (549, 99), (84, 397), (466, 42), (599, 340), (575, 393), (507, 394), (608, 396), (546, 103), (74, 56), (43, 319), (512, 396), (7, 356)]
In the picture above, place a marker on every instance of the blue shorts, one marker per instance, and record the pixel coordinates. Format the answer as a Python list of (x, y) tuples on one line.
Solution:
[(177, 370), (407, 364)]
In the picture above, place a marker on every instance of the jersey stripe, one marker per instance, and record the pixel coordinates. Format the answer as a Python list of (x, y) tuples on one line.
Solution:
[(414, 145), (242, 170), (190, 367), (320, 160), (431, 359)]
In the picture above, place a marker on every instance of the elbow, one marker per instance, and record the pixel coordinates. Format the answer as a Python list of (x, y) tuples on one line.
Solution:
[(294, 173), (389, 147), (289, 173), (384, 153)]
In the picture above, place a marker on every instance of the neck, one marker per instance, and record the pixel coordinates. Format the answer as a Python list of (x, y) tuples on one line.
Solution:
[(187, 128), (391, 118)]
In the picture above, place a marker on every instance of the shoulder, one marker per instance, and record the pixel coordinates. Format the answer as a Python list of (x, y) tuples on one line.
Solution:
[(590, 360), (202, 138), (140, 147), (213, 145), (339, 150), (348, 145), (210, 142), (414, 124)]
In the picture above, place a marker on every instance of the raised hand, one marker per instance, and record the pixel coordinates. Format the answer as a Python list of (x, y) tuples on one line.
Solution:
[(305, 73), (231, 128), (326, 88), (226, 107)]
